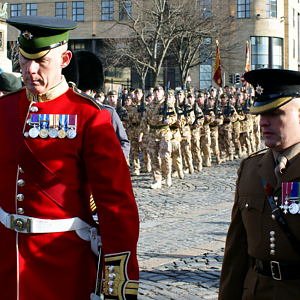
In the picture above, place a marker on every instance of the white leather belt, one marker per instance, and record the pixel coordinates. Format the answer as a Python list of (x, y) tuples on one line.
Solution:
[(26, 224)]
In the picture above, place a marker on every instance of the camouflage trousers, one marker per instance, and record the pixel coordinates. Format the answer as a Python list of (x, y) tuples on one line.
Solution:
[(236, 137), (256, 129), (176, 151), (135, 149), (214, 135), (185, 145), (146, 155), (160, 154), (225, 139), (195, 145), (245, 142), (205, 144)]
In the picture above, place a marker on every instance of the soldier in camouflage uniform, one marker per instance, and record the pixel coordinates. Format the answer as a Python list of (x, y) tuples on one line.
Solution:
[(225, 130), (236, 126), (150, 97), (175, 141), (196, 131), (112, 98), (159, 116), (134, 114), (214, 128), (127, 104), (205, 141), (185, 118)]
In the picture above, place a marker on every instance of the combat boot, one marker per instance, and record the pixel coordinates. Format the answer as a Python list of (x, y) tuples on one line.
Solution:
[(148, 167), (191, 169), (186, 171), (175, 174), (168, 180), (207, 162), (218, 160), (156, 184), (180, 174), (199, 167), (240, 154), (136, 172)]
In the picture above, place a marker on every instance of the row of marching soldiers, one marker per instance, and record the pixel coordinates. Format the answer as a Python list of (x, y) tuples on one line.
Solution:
[(173, 131)]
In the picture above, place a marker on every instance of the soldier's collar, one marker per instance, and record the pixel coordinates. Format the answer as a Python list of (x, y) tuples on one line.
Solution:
[(53, 93)]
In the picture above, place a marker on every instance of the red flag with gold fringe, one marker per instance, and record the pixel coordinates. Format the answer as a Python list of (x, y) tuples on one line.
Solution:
[(217, 71)]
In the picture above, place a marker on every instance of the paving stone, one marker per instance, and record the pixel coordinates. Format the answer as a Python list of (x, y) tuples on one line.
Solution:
[(182, 233)]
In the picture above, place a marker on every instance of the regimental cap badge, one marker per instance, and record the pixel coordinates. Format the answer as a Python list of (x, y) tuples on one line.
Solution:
[(259, 90), (27, 35), (273, 88)]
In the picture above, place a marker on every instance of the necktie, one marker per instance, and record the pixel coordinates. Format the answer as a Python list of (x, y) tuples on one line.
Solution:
[(282, 161)]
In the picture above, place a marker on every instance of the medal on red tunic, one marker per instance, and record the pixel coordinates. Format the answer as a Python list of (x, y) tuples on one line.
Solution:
[(53, 132), (34, 125), (63, 120), (290, 197), (44, 125), (72, 125)]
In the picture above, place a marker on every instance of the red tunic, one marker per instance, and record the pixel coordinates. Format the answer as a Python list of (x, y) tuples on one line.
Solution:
[(61, 265)]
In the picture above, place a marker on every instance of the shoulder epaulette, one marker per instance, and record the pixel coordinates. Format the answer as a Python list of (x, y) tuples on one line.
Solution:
[(14, 92), (259, 152), (84, 95)]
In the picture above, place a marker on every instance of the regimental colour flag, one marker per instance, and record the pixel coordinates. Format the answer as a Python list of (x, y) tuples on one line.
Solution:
[(217, 71)]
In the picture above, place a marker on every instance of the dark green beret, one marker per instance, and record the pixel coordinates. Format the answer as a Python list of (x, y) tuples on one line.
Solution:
[(9, 82)]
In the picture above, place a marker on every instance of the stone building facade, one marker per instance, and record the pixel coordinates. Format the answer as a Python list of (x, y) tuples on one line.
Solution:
[(272, 28)]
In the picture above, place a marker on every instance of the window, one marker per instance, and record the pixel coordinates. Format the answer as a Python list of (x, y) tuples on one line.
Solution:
[(78, 11), (271, 8), (107, 10), (15, 10), (31, 9), (294, 18), (243, 9), (205, 8), (125, 10), (61, 9), (266, 52), (294, 48), (1, 40), (206, 68)]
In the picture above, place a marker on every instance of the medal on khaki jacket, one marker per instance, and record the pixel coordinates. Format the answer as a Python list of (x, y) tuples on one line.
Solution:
[(290, 197)]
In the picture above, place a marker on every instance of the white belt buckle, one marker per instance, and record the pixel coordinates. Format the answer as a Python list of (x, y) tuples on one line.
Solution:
[(20, 224)]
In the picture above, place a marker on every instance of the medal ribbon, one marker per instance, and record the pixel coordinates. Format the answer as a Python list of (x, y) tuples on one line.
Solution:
[(63, 121), (51, 121), (34, 120), (286, 191), (72, 121)]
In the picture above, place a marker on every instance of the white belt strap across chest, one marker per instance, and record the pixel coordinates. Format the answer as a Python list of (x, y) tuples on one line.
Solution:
[(24, 224)]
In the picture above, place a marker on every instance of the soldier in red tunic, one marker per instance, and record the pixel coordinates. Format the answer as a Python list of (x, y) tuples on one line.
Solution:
[(57, 147)]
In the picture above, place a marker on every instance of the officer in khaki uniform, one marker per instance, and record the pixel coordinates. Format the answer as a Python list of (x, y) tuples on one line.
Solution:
[(262, 253)]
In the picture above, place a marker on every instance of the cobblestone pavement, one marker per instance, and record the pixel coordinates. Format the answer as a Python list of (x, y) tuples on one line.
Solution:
[(183, 231)]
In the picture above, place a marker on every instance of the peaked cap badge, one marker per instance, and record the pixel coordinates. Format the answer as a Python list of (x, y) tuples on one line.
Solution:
[(259, 90), (27, 35)]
